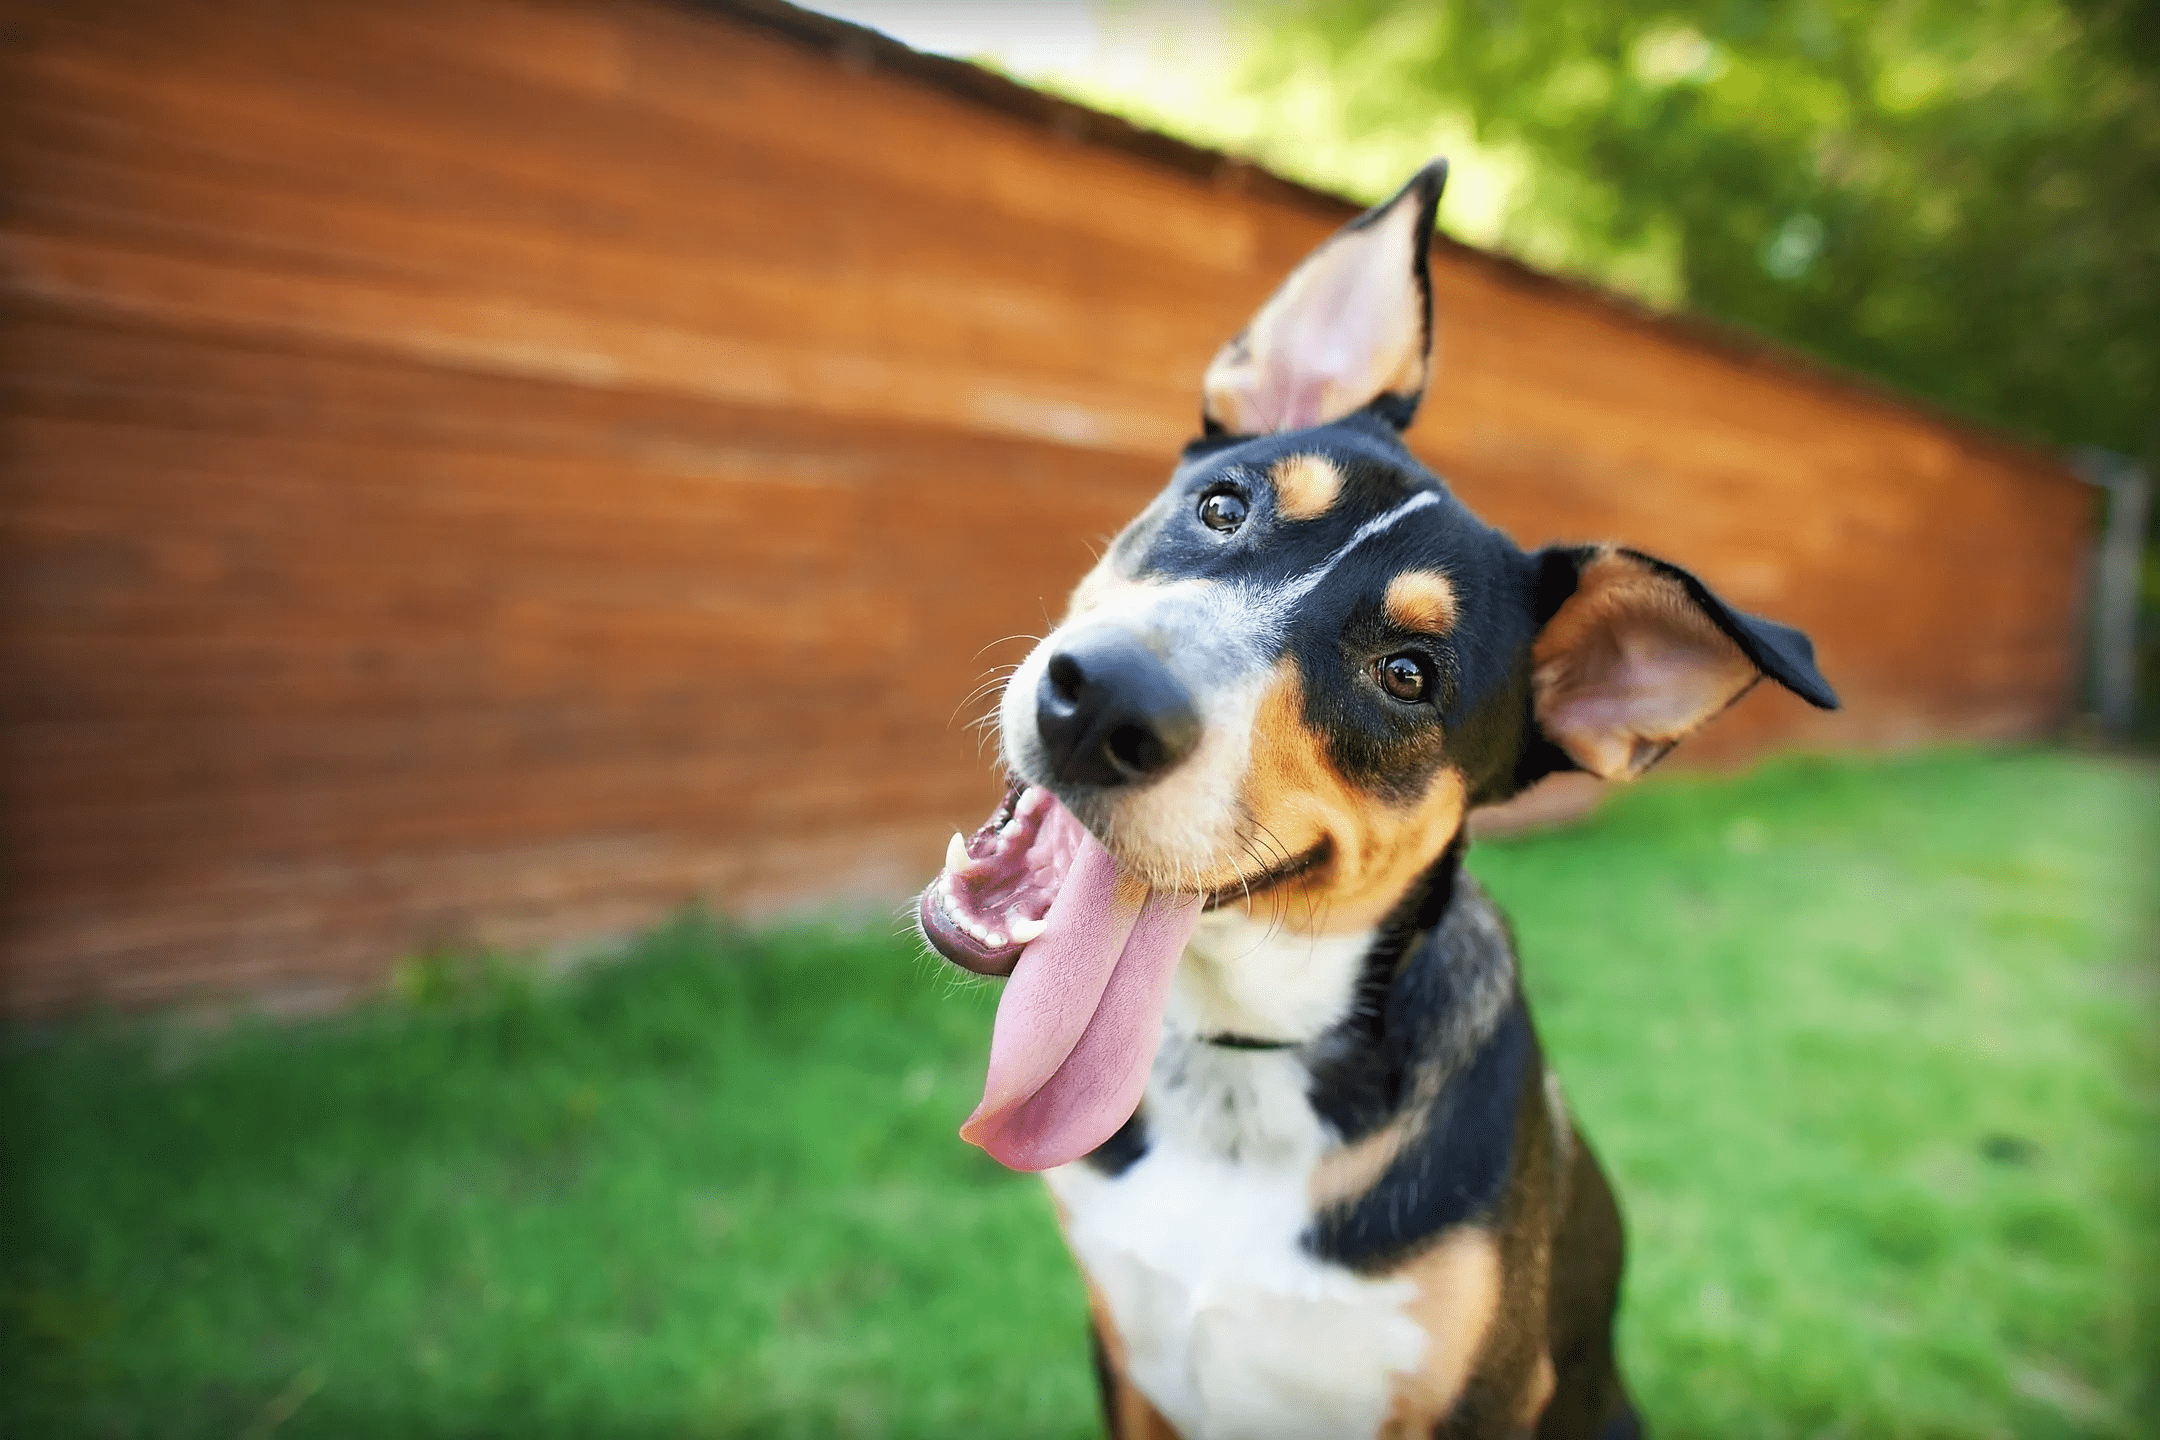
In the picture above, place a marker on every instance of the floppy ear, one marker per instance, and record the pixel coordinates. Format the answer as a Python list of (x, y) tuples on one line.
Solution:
[(1351, 326), (1635, 654)]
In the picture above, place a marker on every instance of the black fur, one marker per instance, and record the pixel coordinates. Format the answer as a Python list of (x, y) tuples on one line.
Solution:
[(1452, 1171), (1359, 1067), (1124, 1149)]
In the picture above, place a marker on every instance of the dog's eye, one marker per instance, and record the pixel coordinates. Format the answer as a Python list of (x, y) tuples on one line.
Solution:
[(1403, 676), (1222, 510)]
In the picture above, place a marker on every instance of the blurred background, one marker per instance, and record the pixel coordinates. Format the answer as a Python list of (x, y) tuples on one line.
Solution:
[(509, 505)]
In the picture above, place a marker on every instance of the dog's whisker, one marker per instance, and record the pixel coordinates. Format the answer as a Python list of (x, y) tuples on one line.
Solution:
[(991, 686), (1032, 640)]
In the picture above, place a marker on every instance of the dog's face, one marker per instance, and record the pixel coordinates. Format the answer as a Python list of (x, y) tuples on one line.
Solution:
[(1288, 677), (1284, 686)]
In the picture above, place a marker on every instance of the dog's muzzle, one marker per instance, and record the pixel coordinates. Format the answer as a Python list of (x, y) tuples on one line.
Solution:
[(1110, 713)]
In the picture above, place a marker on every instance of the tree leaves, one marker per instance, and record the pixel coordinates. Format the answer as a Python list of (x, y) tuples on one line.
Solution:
[(1960, 197)]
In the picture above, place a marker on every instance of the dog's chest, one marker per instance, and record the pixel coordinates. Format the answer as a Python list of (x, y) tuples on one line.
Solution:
[(1228, 1325)]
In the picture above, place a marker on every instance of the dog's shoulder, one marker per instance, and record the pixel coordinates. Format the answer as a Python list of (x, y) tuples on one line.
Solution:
[(1426, 1096)]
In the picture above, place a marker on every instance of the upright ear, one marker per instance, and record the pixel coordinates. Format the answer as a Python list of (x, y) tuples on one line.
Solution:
[(1351, 326), (1635, 654)]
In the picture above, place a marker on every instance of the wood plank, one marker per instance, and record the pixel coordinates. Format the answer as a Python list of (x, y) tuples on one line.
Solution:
[(1001, 323), (506, 335), (684, 75), (597, 171)]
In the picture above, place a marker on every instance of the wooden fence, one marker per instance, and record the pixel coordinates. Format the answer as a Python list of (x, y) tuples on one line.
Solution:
[(488, 472)]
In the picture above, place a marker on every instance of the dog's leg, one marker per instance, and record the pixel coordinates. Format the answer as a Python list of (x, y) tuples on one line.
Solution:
[(1589, 1402), (1127, 1415)]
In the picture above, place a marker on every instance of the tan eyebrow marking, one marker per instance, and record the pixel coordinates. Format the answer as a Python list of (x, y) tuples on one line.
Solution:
[(1421, 600), (1305, 486)]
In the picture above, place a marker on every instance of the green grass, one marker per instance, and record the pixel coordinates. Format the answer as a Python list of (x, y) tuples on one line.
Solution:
[(1868, 1046)]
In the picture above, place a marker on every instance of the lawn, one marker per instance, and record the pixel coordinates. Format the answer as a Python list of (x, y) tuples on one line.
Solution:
[(1869, 1048)]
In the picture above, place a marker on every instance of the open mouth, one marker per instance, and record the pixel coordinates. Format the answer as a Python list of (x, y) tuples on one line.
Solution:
[(994, 895), (1089, 951), (992, 898)]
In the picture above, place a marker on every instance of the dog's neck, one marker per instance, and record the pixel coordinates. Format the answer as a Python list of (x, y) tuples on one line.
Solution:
[(1278, 1047), (1252, 980)]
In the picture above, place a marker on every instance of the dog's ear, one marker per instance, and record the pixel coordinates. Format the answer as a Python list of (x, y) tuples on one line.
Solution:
[(1635, 654), (1350, 328)]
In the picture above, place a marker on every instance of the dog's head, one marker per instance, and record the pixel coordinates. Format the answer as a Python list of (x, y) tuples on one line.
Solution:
[(1289, 679)]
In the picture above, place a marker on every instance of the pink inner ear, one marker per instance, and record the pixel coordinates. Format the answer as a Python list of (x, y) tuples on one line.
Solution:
[(1282, 398), (1628, 667), (1347, 327)]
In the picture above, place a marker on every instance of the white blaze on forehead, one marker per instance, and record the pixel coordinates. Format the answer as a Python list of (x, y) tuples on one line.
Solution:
[(1277, 601), (1207, 613)]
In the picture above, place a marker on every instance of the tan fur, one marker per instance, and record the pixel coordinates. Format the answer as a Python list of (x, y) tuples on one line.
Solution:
[(1625, 619), (1421, 600), (1458, 1294), (1305, 486), (1351, 1170), (1296, 798), (1542, 1383)]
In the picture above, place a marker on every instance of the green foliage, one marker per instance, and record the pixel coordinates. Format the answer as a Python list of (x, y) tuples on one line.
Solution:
[(1868, 1047), (1961, 197)]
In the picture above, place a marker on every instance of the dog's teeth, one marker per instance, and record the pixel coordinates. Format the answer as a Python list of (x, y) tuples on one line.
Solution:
[(956, 852), (1026, 931), (994, 940)]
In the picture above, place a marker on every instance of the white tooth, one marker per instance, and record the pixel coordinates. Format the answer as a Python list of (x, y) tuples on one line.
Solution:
[(994, 940), (1026, 931), (1030, 800), (956, 851), (1010, 827)]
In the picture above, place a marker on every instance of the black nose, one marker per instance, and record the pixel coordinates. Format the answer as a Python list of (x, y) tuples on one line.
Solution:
[(1110, 711)]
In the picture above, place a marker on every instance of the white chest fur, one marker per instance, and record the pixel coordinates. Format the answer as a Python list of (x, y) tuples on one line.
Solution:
[(1228, 1325)]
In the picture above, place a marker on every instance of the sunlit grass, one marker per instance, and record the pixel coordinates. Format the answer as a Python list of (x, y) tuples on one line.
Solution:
[(1870, 1051), (1868, 1046)]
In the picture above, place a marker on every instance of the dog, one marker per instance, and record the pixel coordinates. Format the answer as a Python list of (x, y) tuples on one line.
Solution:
[(1262, 1032)]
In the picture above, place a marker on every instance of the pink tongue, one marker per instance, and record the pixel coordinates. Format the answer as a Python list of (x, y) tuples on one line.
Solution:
[(1080, 1018)]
